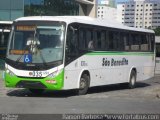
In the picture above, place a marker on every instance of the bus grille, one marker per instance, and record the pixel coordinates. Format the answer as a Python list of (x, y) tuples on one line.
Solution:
[(30, 84)]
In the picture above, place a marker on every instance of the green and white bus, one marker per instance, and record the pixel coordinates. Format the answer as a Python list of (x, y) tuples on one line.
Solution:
[(76, 52)]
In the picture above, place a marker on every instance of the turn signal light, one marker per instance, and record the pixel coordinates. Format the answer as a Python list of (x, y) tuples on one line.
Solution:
[(51, 81)]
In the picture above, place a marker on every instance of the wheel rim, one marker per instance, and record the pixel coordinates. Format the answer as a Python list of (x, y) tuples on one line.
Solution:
[(82, 83)]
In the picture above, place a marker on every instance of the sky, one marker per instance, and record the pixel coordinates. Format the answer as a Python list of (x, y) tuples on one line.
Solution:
[(120, 0)]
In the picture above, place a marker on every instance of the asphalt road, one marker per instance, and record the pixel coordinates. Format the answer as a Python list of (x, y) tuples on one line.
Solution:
[(117, 99)]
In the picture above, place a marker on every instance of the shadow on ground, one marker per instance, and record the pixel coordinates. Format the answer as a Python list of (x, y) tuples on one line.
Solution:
[(70, 93)]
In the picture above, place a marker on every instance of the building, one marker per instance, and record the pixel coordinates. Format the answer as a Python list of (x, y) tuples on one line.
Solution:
[(139, 13), (97, 8), (87, 7), (50, 7), (11, 9), (106, 9)]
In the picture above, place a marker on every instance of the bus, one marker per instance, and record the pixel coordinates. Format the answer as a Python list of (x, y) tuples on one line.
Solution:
[(4, 35), (76, 52), (157, 68)]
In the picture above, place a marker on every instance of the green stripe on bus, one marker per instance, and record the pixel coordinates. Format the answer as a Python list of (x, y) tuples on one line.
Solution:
[(120, 53)]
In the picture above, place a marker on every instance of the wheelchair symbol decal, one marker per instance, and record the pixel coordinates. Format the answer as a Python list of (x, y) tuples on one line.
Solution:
[(28, 58)]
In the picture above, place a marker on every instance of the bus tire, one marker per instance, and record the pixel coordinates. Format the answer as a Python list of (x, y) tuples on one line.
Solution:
[(83, 84), (36, 91), (132, 80)]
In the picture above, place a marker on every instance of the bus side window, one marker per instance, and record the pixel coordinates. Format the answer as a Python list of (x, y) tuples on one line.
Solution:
[(115, 40), (98, 40), (157, 49), (135, 42), (107, 41), (82, 39), (144, 43), (71, 44), (126, 42), (121, 41), (152, 42), (103, 40), (90, 40)]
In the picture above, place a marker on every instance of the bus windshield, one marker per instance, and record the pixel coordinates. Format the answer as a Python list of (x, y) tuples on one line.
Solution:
[(40, 43)]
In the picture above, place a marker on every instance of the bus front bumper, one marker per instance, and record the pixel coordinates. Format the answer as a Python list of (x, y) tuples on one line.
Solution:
[(34, 83)]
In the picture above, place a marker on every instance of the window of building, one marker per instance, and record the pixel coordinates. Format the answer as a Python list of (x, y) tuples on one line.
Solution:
[(155, 4)]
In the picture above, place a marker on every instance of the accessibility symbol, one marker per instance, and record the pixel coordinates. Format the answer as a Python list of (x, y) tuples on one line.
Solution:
[(27, 58)]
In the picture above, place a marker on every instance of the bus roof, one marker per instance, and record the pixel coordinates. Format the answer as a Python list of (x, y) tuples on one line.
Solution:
[(85, 20)]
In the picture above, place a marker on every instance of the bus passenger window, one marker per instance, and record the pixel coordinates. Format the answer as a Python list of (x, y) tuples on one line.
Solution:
[(98, 40), (126, 42), (152, 42), (82, 39), (71, 45), (110, 40), (144, 43), (157, 49), (135, 42), (89, 39), (103, 40), (90, 45)]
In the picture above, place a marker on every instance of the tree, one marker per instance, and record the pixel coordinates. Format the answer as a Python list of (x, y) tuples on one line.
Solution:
[(157, 31)]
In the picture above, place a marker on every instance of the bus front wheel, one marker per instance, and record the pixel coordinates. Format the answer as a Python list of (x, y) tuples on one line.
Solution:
[(83, 85), (132, 81)]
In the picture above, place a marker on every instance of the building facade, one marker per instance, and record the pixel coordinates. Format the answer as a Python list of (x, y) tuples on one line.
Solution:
[(11, 9), (87, 7), (139, 13), (106, 9), (50, 7)]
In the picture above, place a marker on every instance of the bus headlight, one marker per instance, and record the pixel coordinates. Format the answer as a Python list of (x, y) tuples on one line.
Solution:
[(10, 72), (52, 75)]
